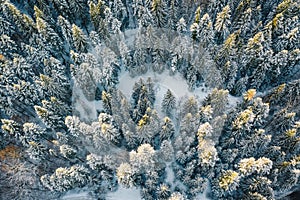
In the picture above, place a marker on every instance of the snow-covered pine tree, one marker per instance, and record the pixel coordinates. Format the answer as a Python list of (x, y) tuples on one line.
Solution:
[(66, 29), (53, 113), (168, 104), (66, 178), (222, 24), (159, 12), (80, 40)]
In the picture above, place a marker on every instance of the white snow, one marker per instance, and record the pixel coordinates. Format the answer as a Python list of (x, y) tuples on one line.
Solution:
[(124, 194), (72, 195), (163, 82), (170, 176), (233, 100), (130, 35), (87, 109)]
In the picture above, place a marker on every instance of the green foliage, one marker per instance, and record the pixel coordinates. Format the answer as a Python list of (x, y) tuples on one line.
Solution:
[(249, 49)]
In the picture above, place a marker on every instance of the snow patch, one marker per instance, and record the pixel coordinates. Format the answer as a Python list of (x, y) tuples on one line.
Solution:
[(130, 35), (170, 176), (204, 195), (86, 110), (71, 195), (125, 194), (163, 82)]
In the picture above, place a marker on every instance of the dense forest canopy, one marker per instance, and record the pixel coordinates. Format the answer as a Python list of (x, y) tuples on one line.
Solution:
[(67, 126)]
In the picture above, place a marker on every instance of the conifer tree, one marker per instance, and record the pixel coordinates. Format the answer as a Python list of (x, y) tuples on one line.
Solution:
[(181, 26), (79, 39), (24, 23), (53, 113), (168, 104), (159, 12), (66, 29), (49, 34), (167, 130), (222, 24), (108, 127), (166, 151), (126, 175), (218, 99), (174, 13), (64, 179)]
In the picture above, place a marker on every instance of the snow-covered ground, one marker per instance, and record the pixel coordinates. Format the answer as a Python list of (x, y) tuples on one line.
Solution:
[(163, 82), (124, 194), (72, 195), (177, 84)]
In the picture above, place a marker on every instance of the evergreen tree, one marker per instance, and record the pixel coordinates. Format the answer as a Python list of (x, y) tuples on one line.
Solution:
[(79, 39), (108, 127), (230, 147), (53, 113), (166, 151), (218, 99), (49, 34), (24, 23), (143, 97), (66, 29), (64, 179), (126, 175), (168, 103), (181, 26), (159, 12), (190, 105), (8, 46), (222, 24), (167, 130), (174, 13)]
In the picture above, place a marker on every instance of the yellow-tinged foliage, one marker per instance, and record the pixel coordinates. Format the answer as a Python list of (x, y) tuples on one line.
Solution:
[(155, 4), (61, 171), (38, 13), (40, 24), (45, 79), (167, 119), (123, 171), (249, 95), (16, 86), (28, 21), (258, 38), (104, 127), (290, 115), (291, 132), (230, 41), (280, 88), (143, 121), (198, 13), (55, 142), (227, 179), (32, 143), (246, 165), (13, 9), (244, 117), (283, 6), (53, 99), (41, 111)]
